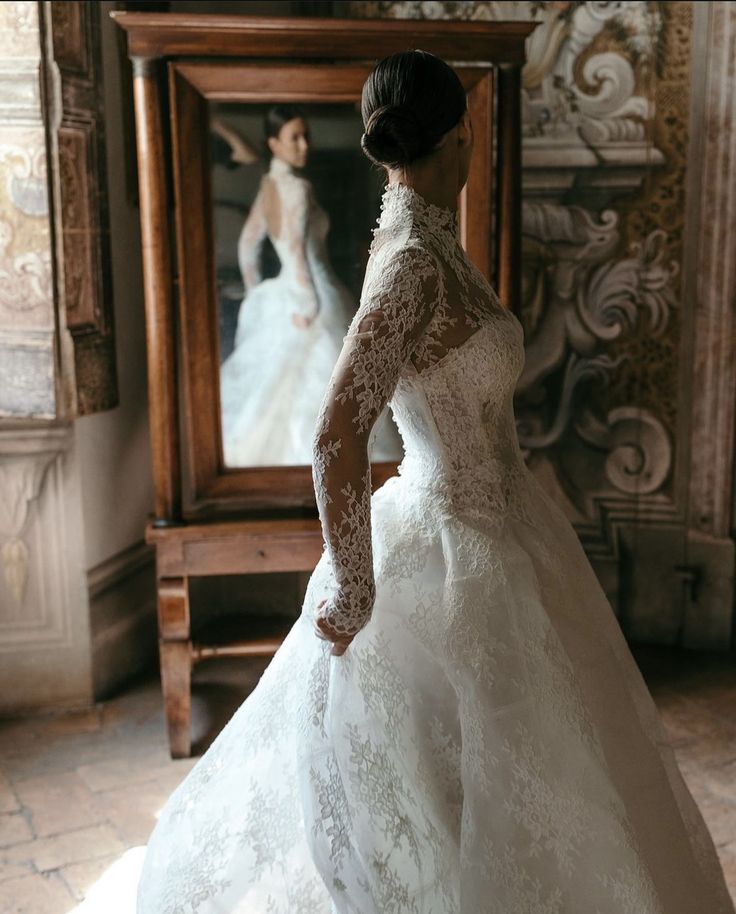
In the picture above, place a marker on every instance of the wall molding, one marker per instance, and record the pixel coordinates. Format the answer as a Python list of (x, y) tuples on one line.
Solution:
[(122, 606), (114, 570)]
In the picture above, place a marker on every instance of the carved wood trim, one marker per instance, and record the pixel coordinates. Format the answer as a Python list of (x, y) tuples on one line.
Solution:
[(80, 200), (186, 34)]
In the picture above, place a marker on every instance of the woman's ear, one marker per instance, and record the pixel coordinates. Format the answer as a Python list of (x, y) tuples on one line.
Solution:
[(465, 130), (272, 144)]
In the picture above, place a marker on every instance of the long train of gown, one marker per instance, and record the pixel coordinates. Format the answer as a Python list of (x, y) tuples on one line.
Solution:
[(273, 382), (486, 745)]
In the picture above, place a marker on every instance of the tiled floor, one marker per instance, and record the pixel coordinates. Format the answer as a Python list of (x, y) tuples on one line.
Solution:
[(78, 791)]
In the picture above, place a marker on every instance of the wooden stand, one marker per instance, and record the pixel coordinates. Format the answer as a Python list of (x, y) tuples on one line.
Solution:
[(237, 547)]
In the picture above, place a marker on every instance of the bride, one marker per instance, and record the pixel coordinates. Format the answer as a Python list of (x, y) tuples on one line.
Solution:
[(469, 733), (290, 327)]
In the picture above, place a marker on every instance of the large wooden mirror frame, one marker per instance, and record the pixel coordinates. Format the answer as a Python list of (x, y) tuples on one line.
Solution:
[(182, 63)]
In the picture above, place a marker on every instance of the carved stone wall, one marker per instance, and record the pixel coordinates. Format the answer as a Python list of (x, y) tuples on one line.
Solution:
[(44, 637), (27, 321), (606, 402)]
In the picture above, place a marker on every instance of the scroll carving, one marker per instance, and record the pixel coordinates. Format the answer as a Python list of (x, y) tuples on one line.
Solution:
[(579, 300)]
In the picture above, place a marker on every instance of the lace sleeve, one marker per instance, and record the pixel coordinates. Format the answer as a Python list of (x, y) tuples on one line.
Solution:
[(250, 243), (396, 307), (294, 234)]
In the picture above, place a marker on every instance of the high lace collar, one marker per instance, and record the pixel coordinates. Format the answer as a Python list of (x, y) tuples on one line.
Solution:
[(402, 204), (279, 168)]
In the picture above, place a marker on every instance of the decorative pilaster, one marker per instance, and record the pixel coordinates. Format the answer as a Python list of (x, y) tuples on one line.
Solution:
[(712, 191)]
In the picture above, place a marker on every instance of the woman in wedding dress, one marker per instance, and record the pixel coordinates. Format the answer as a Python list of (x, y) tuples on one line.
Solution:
[(469, 734), (290, 327)]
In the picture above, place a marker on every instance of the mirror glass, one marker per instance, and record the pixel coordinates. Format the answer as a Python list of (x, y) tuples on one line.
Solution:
[(295, 201)]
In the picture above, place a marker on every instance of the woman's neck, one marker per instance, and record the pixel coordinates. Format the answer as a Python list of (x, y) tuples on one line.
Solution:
[(432, 180), (280, 166)]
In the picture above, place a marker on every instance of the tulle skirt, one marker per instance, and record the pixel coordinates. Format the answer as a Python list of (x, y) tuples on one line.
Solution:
[(486, 744), (273, 382)]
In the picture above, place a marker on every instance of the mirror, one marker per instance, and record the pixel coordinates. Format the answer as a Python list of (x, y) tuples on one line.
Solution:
[(294, 205)]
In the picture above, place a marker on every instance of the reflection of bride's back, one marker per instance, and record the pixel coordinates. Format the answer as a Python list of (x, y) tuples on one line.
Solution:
[(290, 330), (286, 211)]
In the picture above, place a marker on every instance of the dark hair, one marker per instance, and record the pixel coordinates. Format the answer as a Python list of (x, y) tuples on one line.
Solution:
[(277, 116), (409, 102)]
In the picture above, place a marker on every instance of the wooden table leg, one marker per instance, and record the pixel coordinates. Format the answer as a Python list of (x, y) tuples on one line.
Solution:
[(175, 650)]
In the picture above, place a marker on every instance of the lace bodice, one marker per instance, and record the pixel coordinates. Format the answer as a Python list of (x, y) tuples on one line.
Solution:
[(430, 337), (300, 242)]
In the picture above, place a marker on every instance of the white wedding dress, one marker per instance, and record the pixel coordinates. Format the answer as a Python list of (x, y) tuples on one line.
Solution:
[(272, 384), (486, 745)]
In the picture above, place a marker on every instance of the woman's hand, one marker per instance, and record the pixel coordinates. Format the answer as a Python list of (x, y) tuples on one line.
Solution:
[(302, 321), (323, 629)]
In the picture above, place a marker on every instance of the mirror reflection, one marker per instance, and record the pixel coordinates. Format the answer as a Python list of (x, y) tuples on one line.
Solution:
[(295, 201)]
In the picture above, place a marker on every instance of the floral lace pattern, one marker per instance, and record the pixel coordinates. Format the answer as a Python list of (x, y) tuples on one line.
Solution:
[(421, 297), (397, 303), (486, 744)]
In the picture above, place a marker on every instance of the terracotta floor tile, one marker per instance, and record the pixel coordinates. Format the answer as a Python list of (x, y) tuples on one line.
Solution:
[(720, 818), (728, 861), (132, 810), (8, 799), (35, 895), (14, 828), (721, 781), (14, 870), (169, 779), (687, 722), (58, 803), (70, 847), (118, 772), (710, 751)]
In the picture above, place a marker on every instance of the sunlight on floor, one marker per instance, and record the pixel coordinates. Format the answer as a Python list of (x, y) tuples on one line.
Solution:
[(114, 892)]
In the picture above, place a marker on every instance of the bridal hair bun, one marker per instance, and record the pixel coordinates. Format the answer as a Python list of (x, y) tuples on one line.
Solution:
[(410, 100), (394, 136)]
